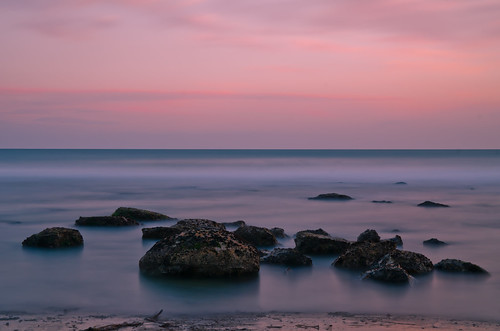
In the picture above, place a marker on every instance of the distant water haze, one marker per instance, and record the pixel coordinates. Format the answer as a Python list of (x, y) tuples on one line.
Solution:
[(45, 188)]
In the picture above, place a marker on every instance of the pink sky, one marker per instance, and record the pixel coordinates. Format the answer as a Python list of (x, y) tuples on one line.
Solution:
[(249, 74)]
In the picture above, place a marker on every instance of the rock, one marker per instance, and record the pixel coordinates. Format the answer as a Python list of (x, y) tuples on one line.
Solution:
[(319, 242), (140, 214), (431, 204), (362, 255), (236, 224), (286, 256), (397, 239), (388, 274), (400, 183), (454, 265), (105, 221), (159, 232), (279, 232), (256, 236), (434, 242), (198, 224), (413, 263), (381, 201), (202, 252), (369, 235), (55, 238), (331, 196)]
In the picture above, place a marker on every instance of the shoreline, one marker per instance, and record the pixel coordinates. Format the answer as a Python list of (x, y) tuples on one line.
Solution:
[(238, 321)]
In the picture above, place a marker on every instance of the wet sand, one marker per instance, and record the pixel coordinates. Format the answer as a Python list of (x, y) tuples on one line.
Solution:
[(238, 321)]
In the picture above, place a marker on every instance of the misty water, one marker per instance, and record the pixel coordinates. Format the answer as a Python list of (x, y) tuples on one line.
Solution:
[(46, 188)]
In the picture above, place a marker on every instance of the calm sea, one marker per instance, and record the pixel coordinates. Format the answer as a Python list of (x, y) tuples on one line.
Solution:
[(46, 188)]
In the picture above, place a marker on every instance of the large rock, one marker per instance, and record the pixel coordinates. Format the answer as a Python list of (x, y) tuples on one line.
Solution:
[(431, 204), (413, 263), (319, 242), (198, 224), (369, 235), (286, 256), (140, 214), (459, 266), (159, 232), (55, 238), (391, 273), (331, 196), (396, 239), (279, 233), (362, 255), (256, 236), (105, 221), (203, 252)]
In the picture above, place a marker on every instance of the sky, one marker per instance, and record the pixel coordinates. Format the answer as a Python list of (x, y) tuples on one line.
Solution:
[(334, 74)]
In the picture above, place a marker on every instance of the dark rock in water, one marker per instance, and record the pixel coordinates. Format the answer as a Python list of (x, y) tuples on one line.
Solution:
[(369, 235), (381, 201), (413, 263), (236, 224), (105, 221), (140, 214), (388, 274), (286, 256), (434, 242), (55, 238), (319, 242), (202, 252), (278, 232), (263, 252), (397, 239), (159, 232), (198, 224), (400, 183), (362, 255), (431, 204), (331, 196), (454, 265), (256, 236)]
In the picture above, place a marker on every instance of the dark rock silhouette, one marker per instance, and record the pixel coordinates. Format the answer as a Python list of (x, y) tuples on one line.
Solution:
[(369, 235), (56, 237), (331, 196), (390, 273), (286, 256), (411, 262), (105, 221), (159, 232), (319, 242), (431, 204), (459, 266), (434, 242), (256, 236), (140, 214), (362, 255)]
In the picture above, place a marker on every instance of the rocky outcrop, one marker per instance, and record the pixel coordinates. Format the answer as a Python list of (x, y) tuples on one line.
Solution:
[(140, 214), (159, 232), (202, 252), (279, 233), (105, 221), (434, 242), (391, 273), (195, 223), (286, 256), (331, 196), (413, 263), (362, 255), (319, 242), (431, 204), (459, 266), (57, 237), (396, 239), (256, 236), (369, 235)]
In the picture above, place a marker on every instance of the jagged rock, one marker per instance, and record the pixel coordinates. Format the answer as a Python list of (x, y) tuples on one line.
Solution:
[(140, 214), (362, 255), (55, 238), (319, 242), (256, 236), (278, 232), (388, 274), (236, 224), (381, 201), (369, 235), (434, 242), (286, 256), (397, 239), (331, 196), (105, 221), (159, 232), (431, 204), (454, 265), (413, 263), (198, 224), (201, 252)]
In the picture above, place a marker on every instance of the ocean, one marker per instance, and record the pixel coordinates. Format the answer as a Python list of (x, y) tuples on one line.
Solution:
[(47, 188)]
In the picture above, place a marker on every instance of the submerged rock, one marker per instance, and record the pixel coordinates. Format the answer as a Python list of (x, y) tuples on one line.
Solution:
[(105, 221), (286, 256), (369, 235), (391, 273), (57, 237), (320, 242), (362, 255), (279, 232), (401, 183), (159, 232), (459, 266), (431, 204), (140, 214), (256, 236), (396, 239), (413, 263), (331, 196), (202, 252), (381, 201), (434, 242)]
